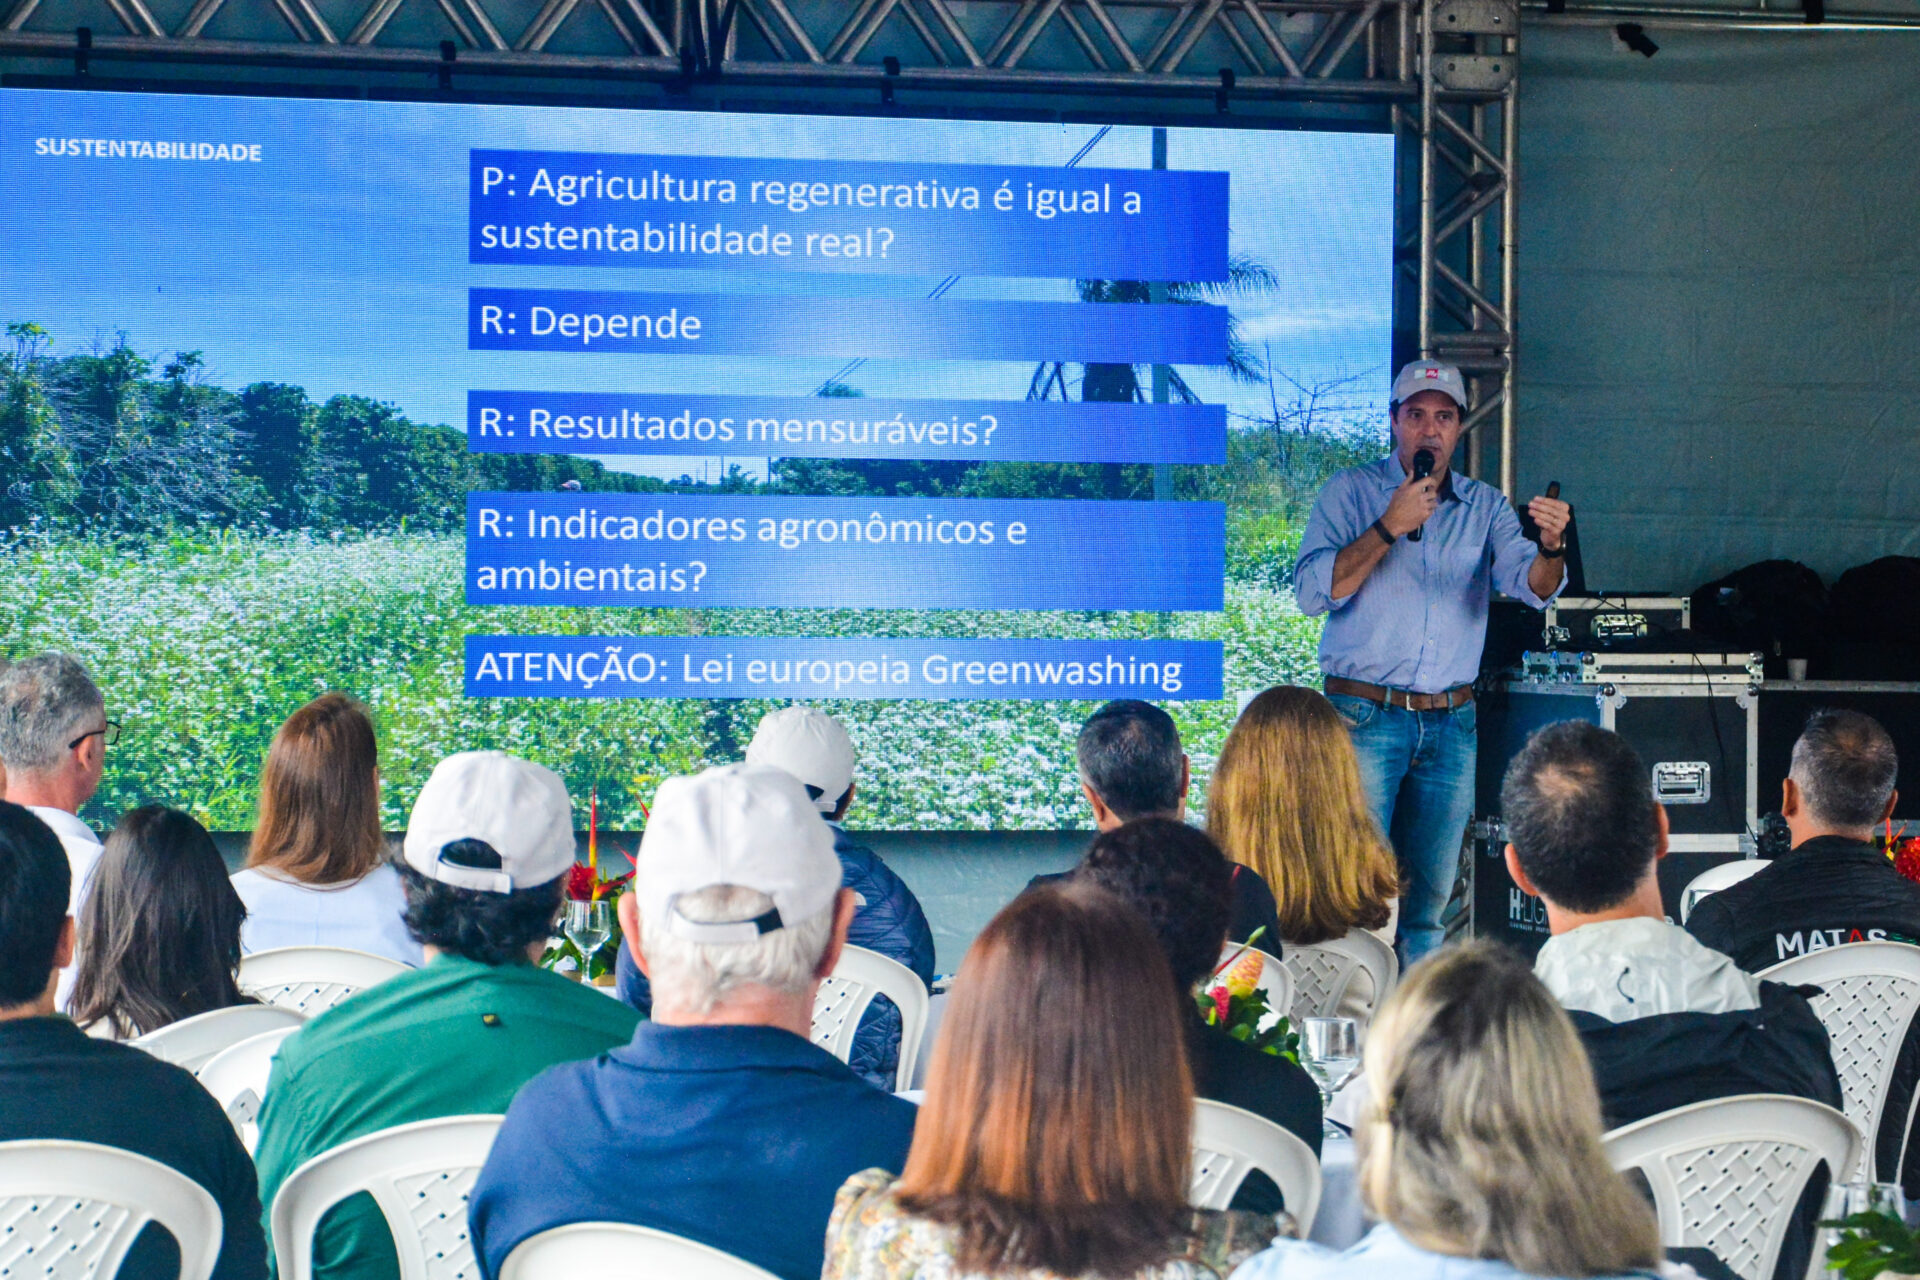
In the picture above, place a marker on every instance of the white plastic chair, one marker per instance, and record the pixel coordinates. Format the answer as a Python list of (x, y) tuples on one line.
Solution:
[(1869, 994), (237, 1079), (1727, 1174), (1230, 1142), (419, 1174), (312, 979), (191, 1042), (1273, 978), (621, 1251), (859, 977), (1714, 879), (1323, 972), (71, 1210)]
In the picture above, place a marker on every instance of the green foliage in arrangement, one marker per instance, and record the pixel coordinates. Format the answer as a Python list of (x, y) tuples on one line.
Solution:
[(1873, 1244)]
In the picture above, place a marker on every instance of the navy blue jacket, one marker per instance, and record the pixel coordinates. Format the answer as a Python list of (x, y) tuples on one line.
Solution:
[(886, 919), (1669, 1060), (734, 1136)]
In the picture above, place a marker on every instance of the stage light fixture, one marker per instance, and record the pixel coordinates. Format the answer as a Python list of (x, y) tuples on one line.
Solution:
[(1634, 36)]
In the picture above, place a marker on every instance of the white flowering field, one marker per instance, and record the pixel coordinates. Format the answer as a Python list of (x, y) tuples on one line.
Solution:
[(203, 645)]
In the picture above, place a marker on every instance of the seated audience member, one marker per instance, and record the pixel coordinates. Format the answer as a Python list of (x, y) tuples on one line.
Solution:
[(1835, 887), (160, 933), (815, 748), (54, 735), (56, 1082), (720, 1122), (1479, 1142), (1177, 879), (1056, 1137), (1131, 767), (317, 872), (1665, 1020), (488, 848), (1287, 802)]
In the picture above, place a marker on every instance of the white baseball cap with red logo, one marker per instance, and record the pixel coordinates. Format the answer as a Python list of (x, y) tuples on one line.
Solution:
[(1430, 375)]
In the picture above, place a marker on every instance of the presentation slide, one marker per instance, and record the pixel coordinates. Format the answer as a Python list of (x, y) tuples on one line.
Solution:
[(594, 434)]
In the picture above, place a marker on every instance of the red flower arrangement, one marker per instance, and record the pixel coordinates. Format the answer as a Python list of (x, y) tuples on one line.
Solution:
[(1231, 1001), (586, 884), (1905, 852)]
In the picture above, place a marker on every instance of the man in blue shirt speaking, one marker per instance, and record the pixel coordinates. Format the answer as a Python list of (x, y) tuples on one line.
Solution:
[(1402, 556)]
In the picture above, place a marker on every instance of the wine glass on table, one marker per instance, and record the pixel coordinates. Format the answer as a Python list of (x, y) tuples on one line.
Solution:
[(1330, 1051), (587, 926)]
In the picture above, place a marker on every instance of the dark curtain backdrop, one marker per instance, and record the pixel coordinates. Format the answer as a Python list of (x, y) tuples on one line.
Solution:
[(1720, 297)]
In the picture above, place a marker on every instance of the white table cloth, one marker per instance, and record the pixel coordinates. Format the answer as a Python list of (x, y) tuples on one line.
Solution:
[(1340, 1222)]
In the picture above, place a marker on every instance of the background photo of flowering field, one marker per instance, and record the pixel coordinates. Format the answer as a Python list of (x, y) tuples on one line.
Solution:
[(217, 557)]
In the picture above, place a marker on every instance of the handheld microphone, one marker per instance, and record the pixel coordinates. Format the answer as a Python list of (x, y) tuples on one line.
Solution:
[(1422, 468)]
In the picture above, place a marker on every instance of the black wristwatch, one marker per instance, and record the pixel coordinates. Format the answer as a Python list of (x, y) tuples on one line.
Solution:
[(1381, 529), (1556, 553)]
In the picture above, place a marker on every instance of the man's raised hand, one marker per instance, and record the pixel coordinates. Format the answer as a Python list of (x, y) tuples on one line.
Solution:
[(1550, 516)]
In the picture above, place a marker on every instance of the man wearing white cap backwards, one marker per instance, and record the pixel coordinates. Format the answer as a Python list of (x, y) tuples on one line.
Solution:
[(1403, 567), (721, 1121), (488, 847), (815, 748)]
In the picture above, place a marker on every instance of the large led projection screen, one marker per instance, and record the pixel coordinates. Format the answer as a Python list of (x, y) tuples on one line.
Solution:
[(593, 434)]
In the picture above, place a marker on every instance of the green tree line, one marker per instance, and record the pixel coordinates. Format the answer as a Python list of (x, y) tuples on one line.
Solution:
[(112, 439)]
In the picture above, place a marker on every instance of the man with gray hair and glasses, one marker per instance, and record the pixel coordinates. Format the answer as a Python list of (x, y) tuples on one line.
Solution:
[(721, 1121), (1835, 887), (54, 735)]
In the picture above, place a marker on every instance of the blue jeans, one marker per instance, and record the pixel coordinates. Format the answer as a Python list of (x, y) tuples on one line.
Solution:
[(1417, 767)]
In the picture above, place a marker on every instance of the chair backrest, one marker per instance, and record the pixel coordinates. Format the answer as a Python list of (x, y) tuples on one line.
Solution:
[(237, 1079), (191, 1042), (621, 1251), (419, 1174), (1271, 978), (1726, 1175), (71, 1210), (859, 977), (312, 979), (1230, 1142), (1714, 879), (1869, 992), (1323, 972)]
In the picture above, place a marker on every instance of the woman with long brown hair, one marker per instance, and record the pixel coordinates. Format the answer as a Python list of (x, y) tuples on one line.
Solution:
[(317, 870), (159, 930), (1286, 800), (1056, 1135)]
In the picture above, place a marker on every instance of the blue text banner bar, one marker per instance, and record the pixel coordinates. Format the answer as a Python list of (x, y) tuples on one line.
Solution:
[(831, 427), (755, 324), (810, 667), (740, 213), (681, 550)]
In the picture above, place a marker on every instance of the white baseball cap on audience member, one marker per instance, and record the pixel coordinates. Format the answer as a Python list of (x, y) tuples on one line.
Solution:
[(520, 808), (1429, 375), (812, 746), (746, 825)]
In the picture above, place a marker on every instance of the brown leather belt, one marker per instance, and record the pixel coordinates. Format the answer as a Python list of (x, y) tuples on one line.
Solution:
[(1459, 696)]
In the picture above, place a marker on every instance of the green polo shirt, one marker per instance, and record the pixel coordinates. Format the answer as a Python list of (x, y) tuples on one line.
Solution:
[(453, 1038)]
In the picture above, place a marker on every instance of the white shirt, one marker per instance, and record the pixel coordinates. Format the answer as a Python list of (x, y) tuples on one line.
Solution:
[(363, 914), (83, 853), (1385, 1252), (1637, 968)]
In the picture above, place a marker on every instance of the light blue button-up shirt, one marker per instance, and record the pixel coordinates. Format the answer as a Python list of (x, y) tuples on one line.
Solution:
[(1419, 621)]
